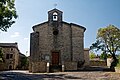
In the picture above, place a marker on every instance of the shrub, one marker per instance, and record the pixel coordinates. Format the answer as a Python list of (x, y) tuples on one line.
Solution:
[(118, 64)]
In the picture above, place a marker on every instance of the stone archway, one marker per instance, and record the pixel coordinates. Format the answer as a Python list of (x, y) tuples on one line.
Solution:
[(10, 67)]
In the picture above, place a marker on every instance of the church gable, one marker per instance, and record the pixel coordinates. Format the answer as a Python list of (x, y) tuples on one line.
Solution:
[(76, 25), (35, 27)]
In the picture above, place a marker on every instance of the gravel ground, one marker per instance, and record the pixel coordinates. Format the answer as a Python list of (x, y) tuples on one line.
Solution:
[(93, 76), (25, 75)]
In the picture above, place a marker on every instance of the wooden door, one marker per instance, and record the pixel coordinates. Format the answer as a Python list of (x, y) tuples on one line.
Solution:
[(55, 58)]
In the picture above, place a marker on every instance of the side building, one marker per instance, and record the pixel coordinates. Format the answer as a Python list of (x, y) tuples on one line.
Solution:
[(10, 53)]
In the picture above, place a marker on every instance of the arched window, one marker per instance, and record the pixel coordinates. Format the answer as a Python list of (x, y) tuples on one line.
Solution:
[(55, 16)]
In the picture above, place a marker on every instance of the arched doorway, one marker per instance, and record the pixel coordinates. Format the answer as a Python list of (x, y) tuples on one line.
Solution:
[(10, 67)]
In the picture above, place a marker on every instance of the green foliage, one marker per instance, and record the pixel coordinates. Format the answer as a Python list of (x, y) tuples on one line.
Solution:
[(108, 41), (103, 56), (24, 61), (7, 14), (92, 55), (109, 56)]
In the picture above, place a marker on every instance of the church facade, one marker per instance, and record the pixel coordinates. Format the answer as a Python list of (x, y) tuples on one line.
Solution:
[(56, 45)]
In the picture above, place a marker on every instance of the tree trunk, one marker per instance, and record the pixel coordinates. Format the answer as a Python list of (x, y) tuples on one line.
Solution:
[(114, 62)]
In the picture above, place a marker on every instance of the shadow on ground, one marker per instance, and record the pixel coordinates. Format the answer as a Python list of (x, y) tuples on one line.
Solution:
[(19, 75), (8, 75), (96, 68)]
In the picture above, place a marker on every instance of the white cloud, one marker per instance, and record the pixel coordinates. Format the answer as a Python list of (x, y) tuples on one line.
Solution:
[(7, 41), (16, 34), (25, 38)]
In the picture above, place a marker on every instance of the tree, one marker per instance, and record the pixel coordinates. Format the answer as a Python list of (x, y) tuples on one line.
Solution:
[(7, 14), (103, 56), (24, 61), (92, 55), (108, 41)]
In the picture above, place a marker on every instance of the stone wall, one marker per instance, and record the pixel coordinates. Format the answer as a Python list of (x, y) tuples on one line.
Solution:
[(13, 62), (34, 49), (77, 43), (39, 67), (2, 66), (109, 61), (117, 69), (57, 36), (30, 65), (43, 41), (48, 42), (69, 66), (97, 63), (16, 58), (66, 48), (68, 42), (86, 57)]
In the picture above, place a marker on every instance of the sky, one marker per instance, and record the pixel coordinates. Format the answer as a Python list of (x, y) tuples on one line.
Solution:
[(92, 14)]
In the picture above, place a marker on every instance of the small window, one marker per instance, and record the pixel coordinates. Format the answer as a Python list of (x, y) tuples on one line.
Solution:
[(7, 56), (55, 32), (11, 56), (55, 16), (11, 49)]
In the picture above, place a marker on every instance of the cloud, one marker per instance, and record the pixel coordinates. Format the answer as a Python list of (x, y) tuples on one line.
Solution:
[(25, 38), (7, 41), (16, 34)]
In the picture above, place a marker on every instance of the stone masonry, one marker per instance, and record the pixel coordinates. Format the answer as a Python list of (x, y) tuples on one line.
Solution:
[(56, 42), (10, 55)]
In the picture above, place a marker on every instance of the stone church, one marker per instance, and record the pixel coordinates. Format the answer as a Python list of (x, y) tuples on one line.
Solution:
[(56, 45)]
